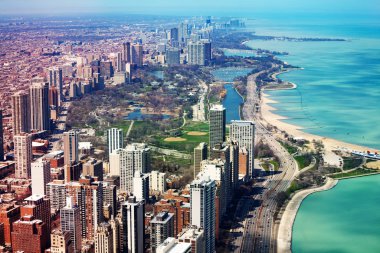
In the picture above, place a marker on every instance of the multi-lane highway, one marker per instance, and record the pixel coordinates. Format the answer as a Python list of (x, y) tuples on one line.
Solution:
[(259, 233)]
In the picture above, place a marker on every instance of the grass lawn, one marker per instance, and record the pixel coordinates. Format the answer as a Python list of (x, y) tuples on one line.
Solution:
[(357, 172), (303, 161), (123, 125), (351, 162), (191, 140), (276, 165), (289, 147)]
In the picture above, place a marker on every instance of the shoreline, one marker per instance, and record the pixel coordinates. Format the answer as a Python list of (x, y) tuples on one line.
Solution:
[(268, 116), (285, 231)]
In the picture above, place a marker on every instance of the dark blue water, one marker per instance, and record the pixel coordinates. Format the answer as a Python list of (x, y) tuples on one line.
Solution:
[(233, 100), (137, 115)]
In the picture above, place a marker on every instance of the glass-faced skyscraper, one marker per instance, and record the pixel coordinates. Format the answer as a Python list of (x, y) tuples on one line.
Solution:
[(217, 118)]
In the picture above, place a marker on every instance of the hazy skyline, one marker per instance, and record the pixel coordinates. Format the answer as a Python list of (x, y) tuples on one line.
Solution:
[(188, 7)]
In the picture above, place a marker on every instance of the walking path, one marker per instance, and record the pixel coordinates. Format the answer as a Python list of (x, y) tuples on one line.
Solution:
[(130, 128), (284, 239)]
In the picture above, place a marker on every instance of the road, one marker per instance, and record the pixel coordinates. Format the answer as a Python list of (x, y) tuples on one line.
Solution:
[(259, 234), (56, 137)]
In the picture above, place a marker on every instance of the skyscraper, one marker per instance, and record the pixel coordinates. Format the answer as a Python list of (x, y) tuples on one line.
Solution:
[(202, 202), (133, 213), (40, 177), (200, 154), (56, 79), (196, 53), (109, 197), (39, 106), (217, 118), (88, 195), (172, 56), (124, 163), (126, 53), (21, 113), (141, 186), (173, 35), (104, 238), (1, 137), (157, 181), (137, 56), (70, 144), (162, 227), (115, 139), (56, 192), (244, 133), (71, 222), (23, 155)]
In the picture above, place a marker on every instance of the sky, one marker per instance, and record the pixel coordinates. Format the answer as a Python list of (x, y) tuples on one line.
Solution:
[(190, 7)]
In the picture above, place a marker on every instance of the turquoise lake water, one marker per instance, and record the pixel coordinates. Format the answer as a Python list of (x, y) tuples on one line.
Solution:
[(343, 219), (338, 92), (233, 100), (338, 96)]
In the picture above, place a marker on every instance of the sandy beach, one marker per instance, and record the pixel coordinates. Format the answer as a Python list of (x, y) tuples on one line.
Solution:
[(268, 115)]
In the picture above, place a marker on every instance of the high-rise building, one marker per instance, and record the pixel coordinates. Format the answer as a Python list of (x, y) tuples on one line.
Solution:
[(172, 56), (207, 49), (71, 222), (70, 144), (137, 56), (244, 133), (194, 236), (196, 53), (53, 97), (124, 163), (93, 168), (104, 238), (115, 226), (109, 198), (162, 227), (157, 182), (217, 170), (202, 196), (21, 113), (9, 213), (180, 209), (133, 213), (141, 186), (61, 242), (174, 35), (243, 163), (30, 235), (126, 53), (217, 118), (1, 137), (39, 106), (37, 206), (40, 176), (56, 79), (88, 195), (23, 155), (119, 63), (183, 32), (115, 139), (56, 192), (200, 154)]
